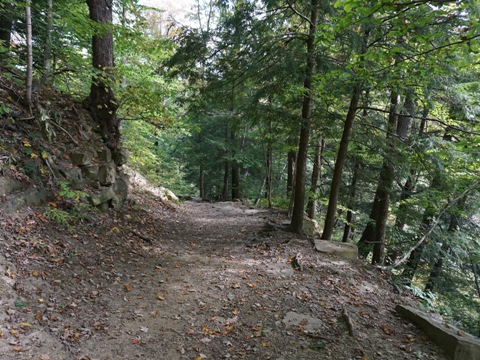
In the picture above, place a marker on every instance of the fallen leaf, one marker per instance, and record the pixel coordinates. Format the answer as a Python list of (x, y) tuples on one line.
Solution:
[(127, 287), (236, 286), (251, 285), (161, 298), (44, 357), (136, 341), (25, 325), (143, 329), (386, 330)]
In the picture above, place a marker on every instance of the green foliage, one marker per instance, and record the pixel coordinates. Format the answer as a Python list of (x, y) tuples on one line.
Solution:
[(69, 207), (154, 154), (427, 298), (67, 192)]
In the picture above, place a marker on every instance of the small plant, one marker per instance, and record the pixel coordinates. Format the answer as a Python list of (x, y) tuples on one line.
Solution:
[(4, 109), (71, 200), (60, 216), (426, 297), (67, 192)]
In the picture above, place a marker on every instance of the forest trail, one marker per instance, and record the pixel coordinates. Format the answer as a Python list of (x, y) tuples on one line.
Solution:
[(195, 281)]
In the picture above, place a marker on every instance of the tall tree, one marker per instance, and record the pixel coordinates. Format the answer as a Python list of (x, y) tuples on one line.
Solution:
[(6, 21), (298, 212), (101, 102), (29, 79)]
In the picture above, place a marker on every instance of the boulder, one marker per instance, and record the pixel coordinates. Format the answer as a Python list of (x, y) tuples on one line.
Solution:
[(457, 344), (310, 227), (120, 156), (107, 174), (102, 197), (9, 185), (105, 154), (344, 250), (81, 158), (169, 195), (90, 172), (120, 187), (304, 322), (74, 176)]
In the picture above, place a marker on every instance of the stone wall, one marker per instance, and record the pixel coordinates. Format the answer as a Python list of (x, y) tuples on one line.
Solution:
[(100, 170), (97, 172)]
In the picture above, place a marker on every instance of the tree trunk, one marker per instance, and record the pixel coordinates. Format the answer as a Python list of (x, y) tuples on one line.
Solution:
[(317, 166), (475, 273), (47, 51), (236, 191), (291, 156), (101, 102), (6, 22), (299, 199), (413, 261), (28, 92), (347, 230), (338, 170), (385, 184), (437, 266), (269, 179), (202, 182), (225, 181), (374, 232)]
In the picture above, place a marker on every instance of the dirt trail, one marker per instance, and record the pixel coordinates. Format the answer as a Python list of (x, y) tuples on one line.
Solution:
[(202, 281)]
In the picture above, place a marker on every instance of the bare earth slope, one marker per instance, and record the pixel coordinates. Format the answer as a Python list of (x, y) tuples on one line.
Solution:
[(197, 281)]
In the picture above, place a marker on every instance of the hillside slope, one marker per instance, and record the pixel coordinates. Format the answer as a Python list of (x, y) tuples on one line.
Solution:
[(153, 280)]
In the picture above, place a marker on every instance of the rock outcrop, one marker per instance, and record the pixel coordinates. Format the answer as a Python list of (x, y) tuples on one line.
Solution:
[(344, 250), (99, 169)]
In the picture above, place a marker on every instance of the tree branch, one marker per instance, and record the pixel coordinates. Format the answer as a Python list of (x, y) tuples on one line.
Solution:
[(422, 118), (434, 225), (290, 6)]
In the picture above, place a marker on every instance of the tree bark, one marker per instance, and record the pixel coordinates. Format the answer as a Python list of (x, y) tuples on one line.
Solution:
[(269, 179), (6, 22), (415, 257), (291, 156), (374, 232), (317, 166), (202, 182), (29, 80), (299, 199), (47, 51), (385, 185), (236, 191), (347, 230), (101, 102), (225, 181), (338, 170)]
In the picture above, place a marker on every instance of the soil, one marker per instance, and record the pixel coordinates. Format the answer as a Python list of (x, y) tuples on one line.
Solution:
[(161, 281), (192, 281)]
